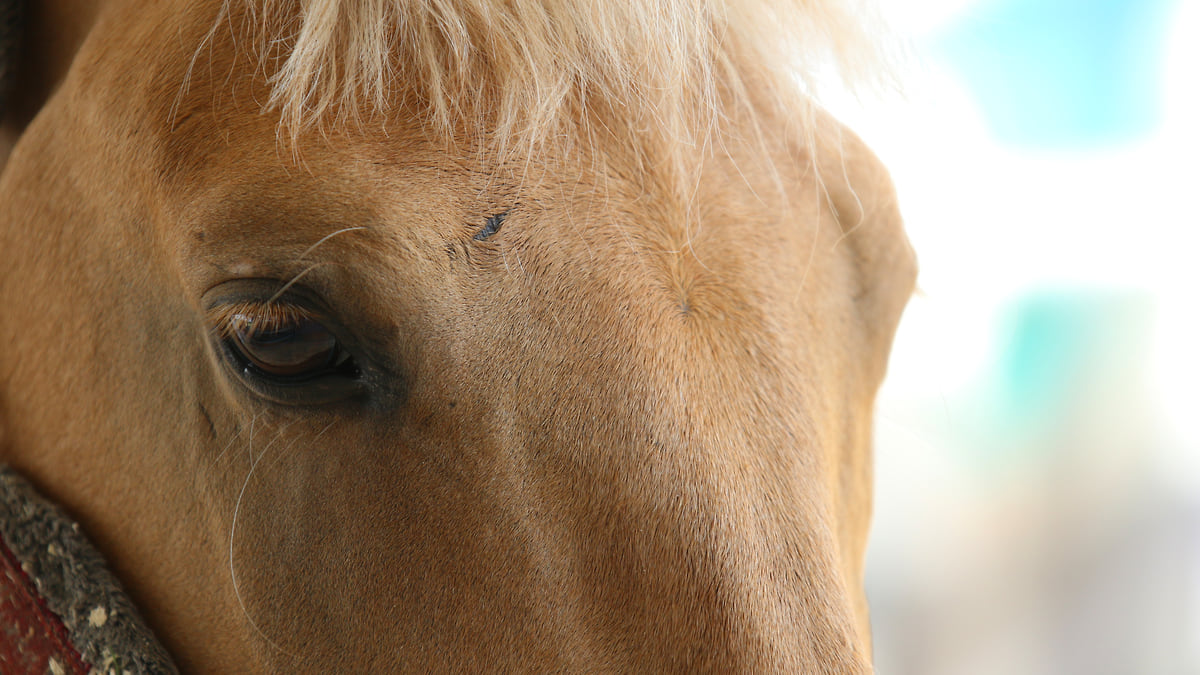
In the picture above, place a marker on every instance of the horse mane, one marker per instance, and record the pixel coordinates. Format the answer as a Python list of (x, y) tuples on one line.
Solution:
[(531, 68)]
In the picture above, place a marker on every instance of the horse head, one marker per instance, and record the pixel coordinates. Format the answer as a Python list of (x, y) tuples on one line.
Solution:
[(450, 335)]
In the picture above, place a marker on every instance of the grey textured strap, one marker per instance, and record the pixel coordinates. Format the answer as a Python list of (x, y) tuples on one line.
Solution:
[(75, 584)]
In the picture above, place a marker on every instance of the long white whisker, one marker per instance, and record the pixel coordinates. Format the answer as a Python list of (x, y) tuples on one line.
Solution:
[(281, 455), (233, 532), (233, 440), (327, 237), (296, 278), (819, 189), (250, 441)]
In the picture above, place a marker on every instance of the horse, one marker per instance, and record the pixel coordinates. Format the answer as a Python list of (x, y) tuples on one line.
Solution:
[(453, 335)]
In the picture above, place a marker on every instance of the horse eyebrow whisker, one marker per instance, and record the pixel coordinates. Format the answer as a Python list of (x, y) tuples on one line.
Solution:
[(294, 279), (315, 265), (327, 237)]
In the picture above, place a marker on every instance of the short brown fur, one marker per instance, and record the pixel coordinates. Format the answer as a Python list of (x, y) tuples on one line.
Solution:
[(628, 432)]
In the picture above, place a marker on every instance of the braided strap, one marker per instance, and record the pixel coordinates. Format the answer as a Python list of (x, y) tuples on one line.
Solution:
[(61, 611)]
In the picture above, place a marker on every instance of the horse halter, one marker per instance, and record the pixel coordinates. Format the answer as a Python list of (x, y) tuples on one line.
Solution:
[(61, 611)]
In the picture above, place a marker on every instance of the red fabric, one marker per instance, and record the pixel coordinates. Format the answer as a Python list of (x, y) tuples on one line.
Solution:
[(30, 634)]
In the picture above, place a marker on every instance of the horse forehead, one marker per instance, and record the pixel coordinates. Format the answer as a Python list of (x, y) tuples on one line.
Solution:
[(196, 118), (202, 105)]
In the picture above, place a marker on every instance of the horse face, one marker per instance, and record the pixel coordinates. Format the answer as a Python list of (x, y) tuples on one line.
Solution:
[(370, 400)]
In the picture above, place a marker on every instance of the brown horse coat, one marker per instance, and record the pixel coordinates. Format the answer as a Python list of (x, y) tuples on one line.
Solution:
[(594, 423)]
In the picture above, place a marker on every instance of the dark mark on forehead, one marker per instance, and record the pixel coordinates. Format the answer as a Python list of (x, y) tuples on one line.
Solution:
[(492, 226)]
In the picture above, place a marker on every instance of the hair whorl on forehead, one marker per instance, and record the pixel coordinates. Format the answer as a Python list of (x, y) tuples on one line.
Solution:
[(529, 68)]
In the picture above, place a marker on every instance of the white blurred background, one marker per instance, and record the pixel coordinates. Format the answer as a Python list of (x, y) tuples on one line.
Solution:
[(1038, 437)]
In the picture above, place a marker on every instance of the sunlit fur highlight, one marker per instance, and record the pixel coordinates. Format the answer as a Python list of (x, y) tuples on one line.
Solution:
[(524, 73)]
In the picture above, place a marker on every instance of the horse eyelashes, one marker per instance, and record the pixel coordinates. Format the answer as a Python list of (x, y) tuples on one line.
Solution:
[(266, 317)]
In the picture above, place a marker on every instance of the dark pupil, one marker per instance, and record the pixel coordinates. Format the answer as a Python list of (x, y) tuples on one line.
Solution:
[(298, 348)]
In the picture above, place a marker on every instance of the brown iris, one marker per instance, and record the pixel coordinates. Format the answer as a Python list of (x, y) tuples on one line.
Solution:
[(280, 341)]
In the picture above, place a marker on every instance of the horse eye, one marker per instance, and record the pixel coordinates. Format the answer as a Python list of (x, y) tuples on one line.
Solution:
[(292, 348), (281, 344)]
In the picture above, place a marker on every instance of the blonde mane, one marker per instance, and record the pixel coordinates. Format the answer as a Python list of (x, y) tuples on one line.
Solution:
[(529, 69)]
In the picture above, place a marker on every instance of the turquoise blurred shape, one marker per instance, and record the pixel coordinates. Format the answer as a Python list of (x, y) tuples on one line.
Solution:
[(1053, 340), (1063, 73), (1069, 363)]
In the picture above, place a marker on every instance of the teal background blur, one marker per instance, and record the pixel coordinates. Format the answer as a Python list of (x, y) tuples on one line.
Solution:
[(1038, 437)]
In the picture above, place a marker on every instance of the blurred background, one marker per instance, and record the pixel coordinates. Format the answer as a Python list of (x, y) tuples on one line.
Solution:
[(1038, 437)]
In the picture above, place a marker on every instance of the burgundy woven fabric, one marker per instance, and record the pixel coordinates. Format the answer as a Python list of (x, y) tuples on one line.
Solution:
[(32, 638), (61, 610)]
